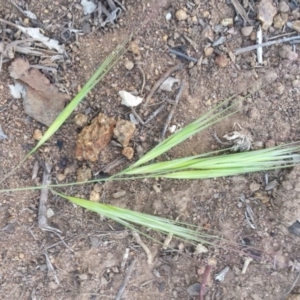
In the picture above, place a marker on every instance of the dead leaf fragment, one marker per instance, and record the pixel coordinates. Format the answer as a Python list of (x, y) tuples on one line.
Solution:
[(42, 100), (94, 138)]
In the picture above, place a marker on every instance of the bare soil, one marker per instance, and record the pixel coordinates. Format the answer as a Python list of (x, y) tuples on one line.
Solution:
[(89, 267)]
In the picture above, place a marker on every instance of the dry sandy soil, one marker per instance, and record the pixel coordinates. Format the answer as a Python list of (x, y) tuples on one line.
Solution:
[(88, 263)]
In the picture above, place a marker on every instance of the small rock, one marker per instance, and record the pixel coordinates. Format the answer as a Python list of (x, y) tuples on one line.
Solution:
[(53, 285), (168, 16), (168, 84), (37, 134), (254, 186), (285, 51), (98, 188), (279, 22), (60, 177), (80, 120), (103, 281), (94, 138), (83, 277), (286, 185), (227, 22), (134, 48), (296, 84), (271, 185), (156, 188), (165, 37), (200, 249), (128, 64), (83, 174), (266, 11), (194, 289), (119, 194), (295, 229), (283, 7), (279, 89), (130, 100), (247, 30), (94, 196), (181, 15), (50, 213), (128, 152), (123, 132), (221, 61), (208, 51), (71, 169), (296, 25)]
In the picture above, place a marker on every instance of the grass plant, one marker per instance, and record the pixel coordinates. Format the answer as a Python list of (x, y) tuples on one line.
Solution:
[(202, 166)]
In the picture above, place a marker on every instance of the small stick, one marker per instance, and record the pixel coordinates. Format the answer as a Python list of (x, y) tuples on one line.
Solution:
[(291, 288), (204, 282), (125, 257), (50, 267), (180, 54), (246, 264), (137, 116), (171, 113), (155, 113), (42, 218), (143, 245), (160, 81), (143, 77), (35, 169), (260, 49), (270, 43), (126, 279), (113, 164), (241, 11)]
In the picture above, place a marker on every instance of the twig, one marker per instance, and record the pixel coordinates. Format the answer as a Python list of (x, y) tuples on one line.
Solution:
[(42, 218), (240, 10), (143, 245), (180, 54), (204, 282), (126, 279), (125, 257), (113, 164), (266, 44), (143, 77), (160, 81), (171, 113), (137, 116), (155, 113), (291, 288), (246, 264), (35, 169), (260, 49), (50, 267)]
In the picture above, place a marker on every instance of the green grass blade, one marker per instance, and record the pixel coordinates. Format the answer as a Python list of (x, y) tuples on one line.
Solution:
[(127, 217)]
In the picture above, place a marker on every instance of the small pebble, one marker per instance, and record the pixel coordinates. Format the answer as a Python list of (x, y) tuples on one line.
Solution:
[(134, 48), (49, 213), (296, 25), (283, 7), (61, 177), (53, 285), (208, 51), (247, 30), (83, 277), (221, 61), (254, 186), (80, 120), (37, 134), (181, 15), (278, 21), (128, 152), (83, 174), (94, 196), (296, 84), (168, 16), (128, 64), (119, 194), (98, 188)]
